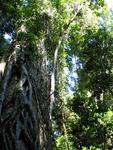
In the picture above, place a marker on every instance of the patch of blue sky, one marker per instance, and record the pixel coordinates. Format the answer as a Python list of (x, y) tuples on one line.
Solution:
[(72, 76), (8, 37)]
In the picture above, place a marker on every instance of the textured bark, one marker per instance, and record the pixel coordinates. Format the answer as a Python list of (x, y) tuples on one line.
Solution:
[(25, 105)]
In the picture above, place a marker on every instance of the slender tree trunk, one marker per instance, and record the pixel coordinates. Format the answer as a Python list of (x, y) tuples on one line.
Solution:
[(25, 105)]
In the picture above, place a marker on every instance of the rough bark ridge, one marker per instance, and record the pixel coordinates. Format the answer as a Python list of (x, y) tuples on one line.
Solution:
[(24, 105)]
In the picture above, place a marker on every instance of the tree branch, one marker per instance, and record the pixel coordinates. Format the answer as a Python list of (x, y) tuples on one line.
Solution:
[(67, 26)]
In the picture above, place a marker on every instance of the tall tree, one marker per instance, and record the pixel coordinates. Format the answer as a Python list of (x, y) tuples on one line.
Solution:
[(25, 85), (42, 34)]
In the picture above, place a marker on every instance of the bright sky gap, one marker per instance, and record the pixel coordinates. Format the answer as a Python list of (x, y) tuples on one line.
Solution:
[(109, 3)]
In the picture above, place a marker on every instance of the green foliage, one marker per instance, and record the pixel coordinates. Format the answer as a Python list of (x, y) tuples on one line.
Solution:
[(61, 143), (84, 120), (90, 108)]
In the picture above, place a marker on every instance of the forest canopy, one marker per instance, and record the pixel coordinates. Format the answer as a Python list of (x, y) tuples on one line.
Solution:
[(56, 75)]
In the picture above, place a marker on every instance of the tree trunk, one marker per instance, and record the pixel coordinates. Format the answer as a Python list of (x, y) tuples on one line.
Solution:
[(25, 105)]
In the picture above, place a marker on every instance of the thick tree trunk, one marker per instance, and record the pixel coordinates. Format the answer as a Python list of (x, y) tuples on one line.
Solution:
[(24, 105)]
